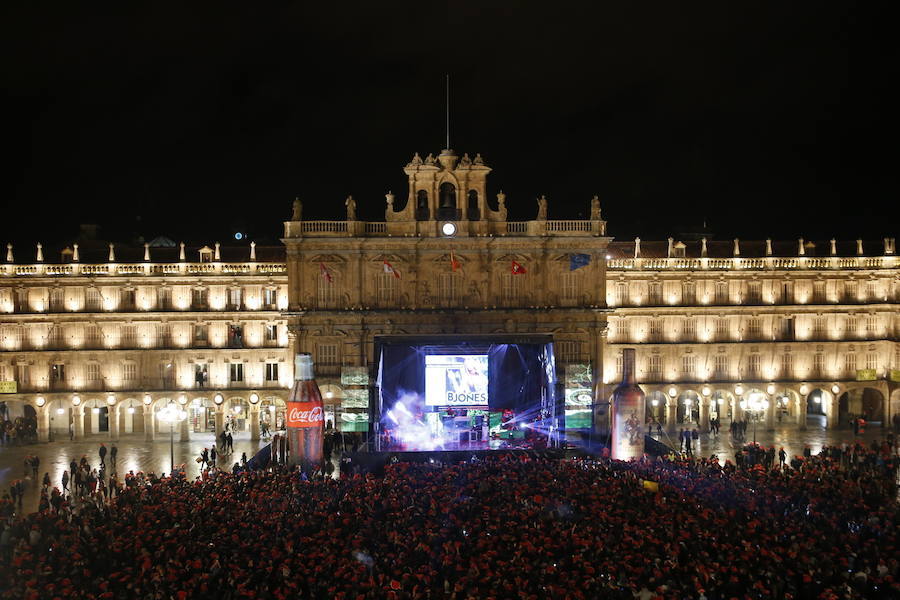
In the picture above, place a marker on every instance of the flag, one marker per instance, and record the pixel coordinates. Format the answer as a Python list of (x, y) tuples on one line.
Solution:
[(576, 261), (454, 264), (517, 269), (325, 274), (389, 268)]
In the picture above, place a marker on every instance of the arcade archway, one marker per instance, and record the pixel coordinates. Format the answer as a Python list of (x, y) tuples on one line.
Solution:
[(818, 407), (866, 402), (655, 407), (688, 408), (720, 404)]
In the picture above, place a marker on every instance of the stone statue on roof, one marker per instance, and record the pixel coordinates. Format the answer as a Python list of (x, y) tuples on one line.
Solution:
[(595, 208), (350, 203), (416, 160), (542, 208), (297, 214), (501, 205), (478, 160)]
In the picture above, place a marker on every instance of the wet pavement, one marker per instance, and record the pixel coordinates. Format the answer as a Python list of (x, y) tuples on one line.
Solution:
[(136, 454)]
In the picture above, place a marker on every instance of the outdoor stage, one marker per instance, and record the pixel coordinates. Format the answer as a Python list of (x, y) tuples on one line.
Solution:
[(465, 394)]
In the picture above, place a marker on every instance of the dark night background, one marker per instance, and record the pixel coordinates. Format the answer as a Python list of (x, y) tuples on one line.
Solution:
[(195, 121)]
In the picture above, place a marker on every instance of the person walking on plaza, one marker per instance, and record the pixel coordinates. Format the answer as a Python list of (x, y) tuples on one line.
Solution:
[(695, 437), (35, 463), (681, 439), (212, 456), (102, 454), (113, 452), (230, 441), (65, 481), (204, 458), (223, 441), (46, 481)]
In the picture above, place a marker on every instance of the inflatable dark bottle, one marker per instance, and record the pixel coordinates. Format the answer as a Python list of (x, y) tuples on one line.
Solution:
[(628, 407), (305, 417)]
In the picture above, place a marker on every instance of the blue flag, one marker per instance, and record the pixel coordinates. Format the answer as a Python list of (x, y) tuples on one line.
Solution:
[(576, 261)]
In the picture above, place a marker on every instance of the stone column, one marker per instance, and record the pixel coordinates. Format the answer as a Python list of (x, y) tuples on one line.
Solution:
[(43, 422), (254, 423), (78, 421), (184, 429), (220, 421), (831, 413), (671, 414), (801, 412), (737, 413), (149, 425), (113, 421), (770, 414), (704, 414)]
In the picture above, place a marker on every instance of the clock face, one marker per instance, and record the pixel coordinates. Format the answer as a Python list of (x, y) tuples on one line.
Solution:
[(448, 229)]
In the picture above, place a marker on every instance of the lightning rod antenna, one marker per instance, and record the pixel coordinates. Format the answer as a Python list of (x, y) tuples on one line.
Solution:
[(448, 112)]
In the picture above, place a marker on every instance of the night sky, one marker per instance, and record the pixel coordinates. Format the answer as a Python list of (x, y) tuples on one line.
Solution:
[(198, 121)]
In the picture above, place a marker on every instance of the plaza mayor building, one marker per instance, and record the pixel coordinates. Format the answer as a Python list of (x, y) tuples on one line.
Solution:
[(97, 338)]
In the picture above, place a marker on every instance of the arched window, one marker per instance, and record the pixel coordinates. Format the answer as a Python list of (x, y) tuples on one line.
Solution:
[(472, 207), (447, 202), (421, 205)]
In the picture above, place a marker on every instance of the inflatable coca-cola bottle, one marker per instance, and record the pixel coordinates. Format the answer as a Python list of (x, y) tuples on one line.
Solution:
[(628, 406), (305, 422)]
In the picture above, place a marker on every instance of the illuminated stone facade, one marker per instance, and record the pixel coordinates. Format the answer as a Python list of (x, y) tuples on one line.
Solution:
[(122, 332), (103, 343), (807, 328)]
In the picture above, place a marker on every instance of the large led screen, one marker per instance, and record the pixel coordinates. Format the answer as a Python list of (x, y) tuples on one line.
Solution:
[(456, 380)]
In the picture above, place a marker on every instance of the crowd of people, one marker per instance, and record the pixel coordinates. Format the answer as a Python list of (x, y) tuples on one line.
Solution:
[(503, 528), (21, 430)]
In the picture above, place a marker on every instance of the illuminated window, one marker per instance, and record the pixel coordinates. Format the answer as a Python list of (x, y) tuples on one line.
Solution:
[(852, 326), (872, 361), (688, 293), (787, 292), (568, 287), (58, 372), (198, 299), (688, 329), (23, 378), (654, 368), (819, 292), (234, 299), (818, 364), (271, 333), (656, 330), (754, 328), (56, 300), (127, 334), (850, 364), (721, 367), (326, 292), (201, 333), (722, 329), (620, 366), (164, 298), (92, 299), (386, 289), (271, 371), (851, 292), (787, 365), (623, 330), (270, 297), (688, 366), (754, 292), (721, 292), (753, 370), (871, 291), (129, 372), (162, 336), (92, 336), (568, 351), (621, 294), (655, 297), (872, 326), (819, 327), (236, 372), (92, 373), (127, 300), (510, 288), (327, 354), (449, 288)]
